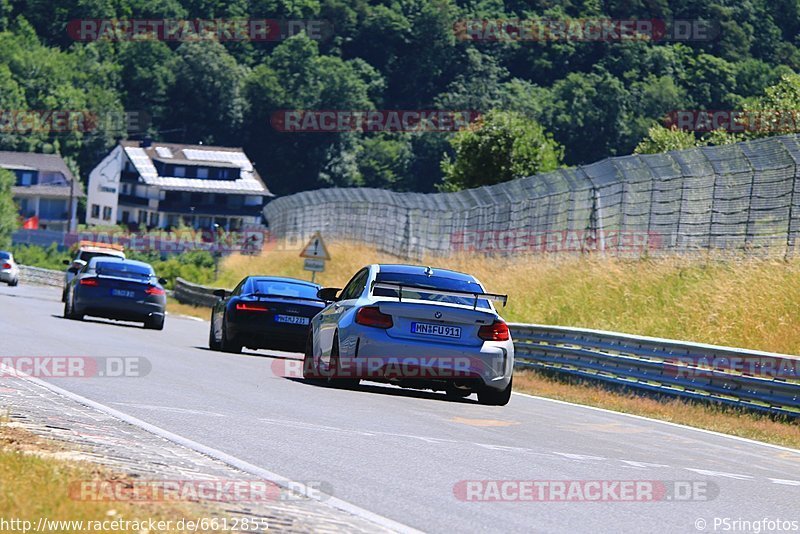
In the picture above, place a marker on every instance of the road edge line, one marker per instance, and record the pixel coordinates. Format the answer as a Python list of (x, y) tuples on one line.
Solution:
[(284, 482)]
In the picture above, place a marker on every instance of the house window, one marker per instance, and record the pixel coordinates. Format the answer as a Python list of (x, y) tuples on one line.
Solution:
[(26, 178), (95, 211), (180, 172), (142, 217), (153, 219), (202, 172), (106, 213)]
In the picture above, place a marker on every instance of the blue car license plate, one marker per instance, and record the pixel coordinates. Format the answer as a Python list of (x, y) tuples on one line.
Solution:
[(438, 330), (123, 293), (291, 319)]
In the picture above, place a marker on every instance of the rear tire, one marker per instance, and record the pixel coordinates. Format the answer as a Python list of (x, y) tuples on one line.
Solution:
[(14, 282), (69, 312), (155, 322), (213, 344), (310, 370), (335, 370), (493, 397), (229, 345)]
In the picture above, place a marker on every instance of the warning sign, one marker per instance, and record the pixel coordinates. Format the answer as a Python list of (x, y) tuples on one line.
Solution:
[(315, 249)]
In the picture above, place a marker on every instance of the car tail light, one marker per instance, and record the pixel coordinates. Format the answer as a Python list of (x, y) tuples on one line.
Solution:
[(497, 331), (372, 316), (251, 306), (6, 266), (153, 290), (91, 282)]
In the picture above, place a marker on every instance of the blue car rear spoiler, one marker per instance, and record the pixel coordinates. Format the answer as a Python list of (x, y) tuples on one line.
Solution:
[(446, 292)]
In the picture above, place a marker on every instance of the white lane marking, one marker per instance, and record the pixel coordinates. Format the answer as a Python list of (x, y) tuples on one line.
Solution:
[(722, 474), (579, 457), (190, 317), (785, 482), (643, 465), (247, 467), (669, 423), (168, 409)]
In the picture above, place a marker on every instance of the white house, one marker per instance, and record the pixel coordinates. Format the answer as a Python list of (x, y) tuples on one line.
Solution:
[(160, 185)]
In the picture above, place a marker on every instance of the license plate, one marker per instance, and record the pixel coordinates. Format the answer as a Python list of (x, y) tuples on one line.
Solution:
[(123, 293), (291, 319), (439, 330)]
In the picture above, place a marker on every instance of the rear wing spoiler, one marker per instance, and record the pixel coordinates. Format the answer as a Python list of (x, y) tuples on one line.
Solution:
[(446, 292), (111, 246)]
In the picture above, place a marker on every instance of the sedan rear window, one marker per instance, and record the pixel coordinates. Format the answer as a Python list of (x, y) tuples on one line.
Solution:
[(284, 289), (127, 270), (5, 255), (433, 282)]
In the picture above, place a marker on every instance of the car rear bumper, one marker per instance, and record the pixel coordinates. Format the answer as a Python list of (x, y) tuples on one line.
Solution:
[(269, 335), (118, 308), (8, 275), (375, 355)]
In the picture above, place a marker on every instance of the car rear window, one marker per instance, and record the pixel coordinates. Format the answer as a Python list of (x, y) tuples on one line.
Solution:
[(284, 289), (5, 255), (127, 270), (432, 282), (86, 256)]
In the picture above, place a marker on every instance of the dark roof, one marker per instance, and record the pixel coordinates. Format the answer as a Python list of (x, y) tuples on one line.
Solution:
[(391, 268), (40, 162)]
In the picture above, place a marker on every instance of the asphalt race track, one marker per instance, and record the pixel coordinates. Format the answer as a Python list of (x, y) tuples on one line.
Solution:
[(400, 453)]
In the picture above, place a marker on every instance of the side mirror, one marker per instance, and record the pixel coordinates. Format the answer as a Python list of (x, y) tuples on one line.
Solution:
[(328, 294), (162, 281), (66, 262), (221, 293)]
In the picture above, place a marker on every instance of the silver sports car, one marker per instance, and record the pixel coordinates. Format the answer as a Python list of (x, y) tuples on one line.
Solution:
[(416, 327)]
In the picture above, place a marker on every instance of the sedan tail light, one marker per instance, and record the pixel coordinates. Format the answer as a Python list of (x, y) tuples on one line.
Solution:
[(251, 306), (91, 282), (6, 266), (372, 316), (153, 290), (497, 331)]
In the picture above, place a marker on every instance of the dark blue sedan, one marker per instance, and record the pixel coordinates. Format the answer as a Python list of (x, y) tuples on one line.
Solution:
[(264, 312), (115, 288)]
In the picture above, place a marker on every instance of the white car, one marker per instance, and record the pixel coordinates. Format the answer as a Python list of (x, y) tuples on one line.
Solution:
[(416, 327), (9, 271), (86, 251)]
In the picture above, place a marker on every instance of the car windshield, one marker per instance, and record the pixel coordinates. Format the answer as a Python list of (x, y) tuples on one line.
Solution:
[(125, 270), (432, 282), (283, 289)]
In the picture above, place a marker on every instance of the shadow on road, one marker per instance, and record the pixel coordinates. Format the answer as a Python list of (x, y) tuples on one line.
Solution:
[(110, 322), (387, 389)]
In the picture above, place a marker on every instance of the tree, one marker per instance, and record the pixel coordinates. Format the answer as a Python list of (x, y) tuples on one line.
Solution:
[(660, 139), (9, 217), (499, 147)]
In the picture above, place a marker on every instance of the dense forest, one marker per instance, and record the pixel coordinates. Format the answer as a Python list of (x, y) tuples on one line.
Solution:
[(591, 98)]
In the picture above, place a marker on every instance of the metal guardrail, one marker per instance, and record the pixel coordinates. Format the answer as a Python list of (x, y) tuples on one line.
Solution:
[(194, 294), (41, 277), (745, 378), (750, 379)]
